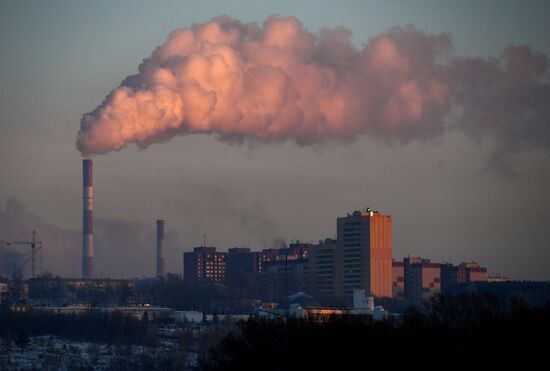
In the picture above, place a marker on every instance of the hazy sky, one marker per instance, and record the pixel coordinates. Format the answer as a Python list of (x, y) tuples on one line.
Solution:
[(59, 59)]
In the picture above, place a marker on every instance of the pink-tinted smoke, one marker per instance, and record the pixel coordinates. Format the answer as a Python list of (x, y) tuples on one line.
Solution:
[(278, 81)]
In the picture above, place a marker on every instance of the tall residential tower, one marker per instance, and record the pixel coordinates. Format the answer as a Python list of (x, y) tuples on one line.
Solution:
[(365, 240)]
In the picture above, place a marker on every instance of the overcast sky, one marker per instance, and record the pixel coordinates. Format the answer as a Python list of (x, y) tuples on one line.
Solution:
[(59, 60)]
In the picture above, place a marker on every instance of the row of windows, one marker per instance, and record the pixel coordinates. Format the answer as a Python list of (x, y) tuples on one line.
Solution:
[(352, 265), (350, 287), (351, 249), (347, 241), (352, 254), (323, 265), (348, 233), (322, 270), (352, 261), (352, 224), (325, 290), (352, 273), (326, 271), (323, 261), (352, 234), (324, 283), (210, 270), (209, 257)]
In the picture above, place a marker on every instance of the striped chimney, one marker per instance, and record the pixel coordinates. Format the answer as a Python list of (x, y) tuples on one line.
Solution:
[(160, 248), (87, 220)]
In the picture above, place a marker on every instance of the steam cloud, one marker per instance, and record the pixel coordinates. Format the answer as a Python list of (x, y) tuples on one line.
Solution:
[(278, 81)]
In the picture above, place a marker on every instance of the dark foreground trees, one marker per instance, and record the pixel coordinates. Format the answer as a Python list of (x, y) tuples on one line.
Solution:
[(112, 328), (456, 332), (470, 331)]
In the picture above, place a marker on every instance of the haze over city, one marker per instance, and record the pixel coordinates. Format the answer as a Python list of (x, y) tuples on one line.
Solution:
[(438, 119)]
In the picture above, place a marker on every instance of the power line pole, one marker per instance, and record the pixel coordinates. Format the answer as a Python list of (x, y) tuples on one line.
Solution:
[(33, 254)]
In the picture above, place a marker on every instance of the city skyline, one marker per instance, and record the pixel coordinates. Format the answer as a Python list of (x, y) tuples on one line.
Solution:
[(452, 195)]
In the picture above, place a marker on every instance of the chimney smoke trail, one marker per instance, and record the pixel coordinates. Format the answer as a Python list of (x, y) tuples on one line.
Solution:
[(277, 81)]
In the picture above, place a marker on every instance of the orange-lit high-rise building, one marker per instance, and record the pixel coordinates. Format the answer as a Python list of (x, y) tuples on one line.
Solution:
[(365, 239)]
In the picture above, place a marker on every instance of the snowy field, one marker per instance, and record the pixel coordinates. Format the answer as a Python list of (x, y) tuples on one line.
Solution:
[(51, 353)]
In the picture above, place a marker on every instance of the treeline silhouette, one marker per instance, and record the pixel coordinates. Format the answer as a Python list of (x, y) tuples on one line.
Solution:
[(236, 294), (171, 291), (454, 332), (112, 328), (534, 293)]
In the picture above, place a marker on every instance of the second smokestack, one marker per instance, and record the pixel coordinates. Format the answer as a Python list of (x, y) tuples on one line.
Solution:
[(87, 220), (160, 248)]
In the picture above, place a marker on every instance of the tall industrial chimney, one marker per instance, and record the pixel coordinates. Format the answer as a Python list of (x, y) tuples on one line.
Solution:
[(87, 220), (160, 248)]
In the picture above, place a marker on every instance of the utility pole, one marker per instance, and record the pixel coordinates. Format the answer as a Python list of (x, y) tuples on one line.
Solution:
[(33, 254), (286, 272)]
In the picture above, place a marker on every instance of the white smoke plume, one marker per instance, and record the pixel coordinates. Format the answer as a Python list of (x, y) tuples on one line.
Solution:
[(278, 81)]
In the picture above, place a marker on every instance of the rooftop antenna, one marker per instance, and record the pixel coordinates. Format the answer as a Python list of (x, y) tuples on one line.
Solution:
[(204, 240)]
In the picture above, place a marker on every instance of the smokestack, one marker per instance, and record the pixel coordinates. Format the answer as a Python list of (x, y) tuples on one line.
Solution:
[(87, 220), (160, 248)]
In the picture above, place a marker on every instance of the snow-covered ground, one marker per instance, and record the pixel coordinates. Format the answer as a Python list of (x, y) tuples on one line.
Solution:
[(51, 353), (45, 352)]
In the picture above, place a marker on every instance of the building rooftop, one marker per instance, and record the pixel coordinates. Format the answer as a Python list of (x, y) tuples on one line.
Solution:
[(301, 298)]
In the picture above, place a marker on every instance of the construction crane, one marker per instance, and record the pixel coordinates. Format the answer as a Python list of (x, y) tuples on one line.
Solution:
[(35, 247)]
